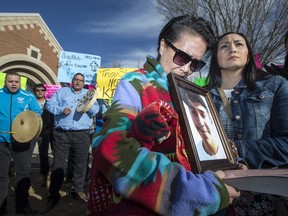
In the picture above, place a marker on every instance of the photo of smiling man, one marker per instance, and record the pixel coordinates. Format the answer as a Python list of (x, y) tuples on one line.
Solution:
[(207, 140)]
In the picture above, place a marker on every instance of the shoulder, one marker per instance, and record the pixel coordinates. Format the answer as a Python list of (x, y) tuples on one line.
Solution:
[(84, 90), (63, 90), (262, 75), (273, 83), (26, 93), (275, 70), (138, 74)]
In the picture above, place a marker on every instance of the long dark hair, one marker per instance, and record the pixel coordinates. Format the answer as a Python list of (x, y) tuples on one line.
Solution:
[(195, 25), (286, 58), (285, 39), (39, 85), (249, 71)]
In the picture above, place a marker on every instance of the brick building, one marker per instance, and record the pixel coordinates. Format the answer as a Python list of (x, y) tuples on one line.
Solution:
[(29, 48)]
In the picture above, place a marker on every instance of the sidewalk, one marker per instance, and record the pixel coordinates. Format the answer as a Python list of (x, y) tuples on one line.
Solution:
[(36, 161), (66, 206)]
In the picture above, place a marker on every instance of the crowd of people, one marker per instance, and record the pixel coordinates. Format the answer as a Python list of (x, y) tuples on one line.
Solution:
[(63, 128), (140, 164)]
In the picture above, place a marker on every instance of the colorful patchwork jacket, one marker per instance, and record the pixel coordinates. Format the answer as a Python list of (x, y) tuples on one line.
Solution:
[(138, 169)]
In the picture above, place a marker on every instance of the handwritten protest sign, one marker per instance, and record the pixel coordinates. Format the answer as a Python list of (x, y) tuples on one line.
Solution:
[(71, 63), (108, 79), (50, 90), (23, 80)]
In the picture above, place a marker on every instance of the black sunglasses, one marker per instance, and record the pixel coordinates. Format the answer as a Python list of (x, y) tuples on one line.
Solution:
[(181, 58), (40, 90), (78, 80)]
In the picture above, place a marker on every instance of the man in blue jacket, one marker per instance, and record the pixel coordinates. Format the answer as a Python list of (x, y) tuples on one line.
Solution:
[(15, 100)]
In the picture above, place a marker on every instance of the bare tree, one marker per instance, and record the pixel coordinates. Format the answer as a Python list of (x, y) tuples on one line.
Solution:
[(116, 64), (264, 22)]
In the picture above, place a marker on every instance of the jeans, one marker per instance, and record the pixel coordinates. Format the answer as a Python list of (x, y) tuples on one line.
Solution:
[(43, 144), (22, 166), (79, 143), (5, 157)]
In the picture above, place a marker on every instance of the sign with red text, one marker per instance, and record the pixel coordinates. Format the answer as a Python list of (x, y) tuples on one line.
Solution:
[(50, 90), (108, 79)]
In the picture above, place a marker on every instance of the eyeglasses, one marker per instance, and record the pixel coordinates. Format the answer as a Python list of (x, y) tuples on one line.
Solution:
[(78, 80), (40, 90), (181, 58)]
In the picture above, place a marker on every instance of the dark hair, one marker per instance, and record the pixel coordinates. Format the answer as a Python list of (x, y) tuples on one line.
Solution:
[(196, 26), (80, 75), (248, 74), (286, 63), (39, 85), (11, 74), (195, 98), (285, 39), (286, 58)]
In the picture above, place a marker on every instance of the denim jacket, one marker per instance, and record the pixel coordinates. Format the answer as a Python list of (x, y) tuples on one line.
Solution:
[(260, 121)]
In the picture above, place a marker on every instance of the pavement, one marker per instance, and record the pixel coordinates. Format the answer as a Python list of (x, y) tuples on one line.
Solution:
[(66, 206), (36, 161)]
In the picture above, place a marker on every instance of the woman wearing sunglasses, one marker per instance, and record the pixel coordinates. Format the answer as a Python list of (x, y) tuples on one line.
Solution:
[(139, 159), (252, 106)]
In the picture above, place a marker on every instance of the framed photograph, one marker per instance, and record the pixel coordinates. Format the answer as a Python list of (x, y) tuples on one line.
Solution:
[(205, 140)]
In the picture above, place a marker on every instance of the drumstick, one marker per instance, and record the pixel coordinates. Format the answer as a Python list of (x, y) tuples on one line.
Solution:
[(7, 132)]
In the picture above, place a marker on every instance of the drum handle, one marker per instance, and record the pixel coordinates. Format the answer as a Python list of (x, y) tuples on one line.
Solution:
[(7, 132)]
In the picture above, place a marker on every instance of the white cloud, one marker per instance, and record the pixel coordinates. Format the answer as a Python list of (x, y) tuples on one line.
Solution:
[(136, 58), (136, 22), (142, 18)]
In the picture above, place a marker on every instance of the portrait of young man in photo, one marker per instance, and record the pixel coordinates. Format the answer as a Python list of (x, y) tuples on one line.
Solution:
[(208, 143)]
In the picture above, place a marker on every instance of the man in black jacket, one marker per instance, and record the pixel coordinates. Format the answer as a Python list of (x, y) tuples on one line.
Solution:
[(46, 135)]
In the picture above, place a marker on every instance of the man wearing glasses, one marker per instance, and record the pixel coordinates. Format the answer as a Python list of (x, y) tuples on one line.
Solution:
[(71, 132), (46, 135)]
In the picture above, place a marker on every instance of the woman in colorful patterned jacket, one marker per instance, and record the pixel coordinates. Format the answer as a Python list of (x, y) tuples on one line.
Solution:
[(139, 159)]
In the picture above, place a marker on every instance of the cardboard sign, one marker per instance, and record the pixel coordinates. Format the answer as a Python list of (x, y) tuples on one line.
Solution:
[(71, 63), (108, 79), (50, 90)]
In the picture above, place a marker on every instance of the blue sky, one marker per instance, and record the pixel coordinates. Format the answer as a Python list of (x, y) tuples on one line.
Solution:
[(122, 31)]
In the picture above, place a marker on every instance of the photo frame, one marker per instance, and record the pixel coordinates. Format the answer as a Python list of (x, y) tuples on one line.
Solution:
[(205, 140)]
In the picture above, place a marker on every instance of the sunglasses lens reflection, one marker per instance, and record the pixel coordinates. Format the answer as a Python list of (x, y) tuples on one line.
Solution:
[(181, 58)]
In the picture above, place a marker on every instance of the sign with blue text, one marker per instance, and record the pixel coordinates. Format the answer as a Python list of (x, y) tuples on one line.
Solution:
[(71, 63)]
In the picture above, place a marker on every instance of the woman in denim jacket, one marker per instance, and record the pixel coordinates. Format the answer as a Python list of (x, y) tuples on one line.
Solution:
[(252, 107)]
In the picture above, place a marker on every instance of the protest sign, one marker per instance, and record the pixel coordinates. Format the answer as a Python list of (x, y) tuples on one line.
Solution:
[(50, 90), (108, 79), (71, 63)]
